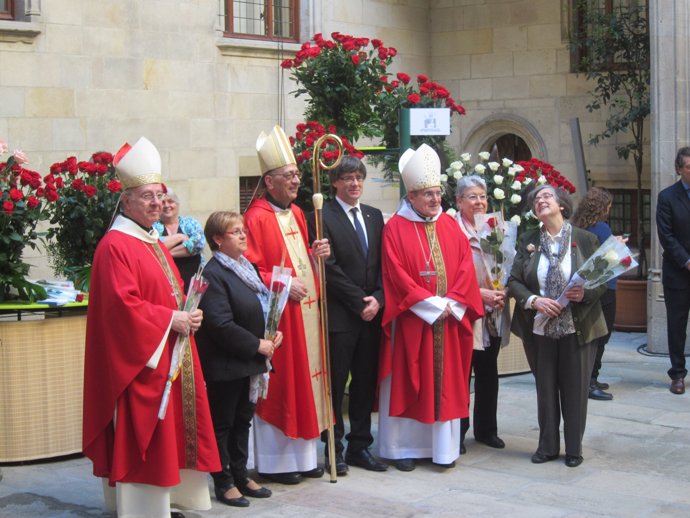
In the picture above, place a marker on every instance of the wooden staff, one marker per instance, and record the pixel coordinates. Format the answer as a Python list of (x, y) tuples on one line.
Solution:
[(317, 199)]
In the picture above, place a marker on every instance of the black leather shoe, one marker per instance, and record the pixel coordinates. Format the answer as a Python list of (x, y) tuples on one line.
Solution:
[(341, 467), (364, 459), (678, 386), (599, 395), (463, 450), (540, 458), (289, 479), (405, 464), (599, 384), (176, 514), (312, 473), (573, 461), (494, 441), (240, 501), (262, 492)]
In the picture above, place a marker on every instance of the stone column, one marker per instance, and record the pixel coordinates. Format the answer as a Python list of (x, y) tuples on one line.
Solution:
[(669, 23)]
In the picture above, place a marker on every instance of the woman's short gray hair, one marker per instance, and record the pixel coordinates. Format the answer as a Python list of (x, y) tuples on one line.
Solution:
[(469, 181)]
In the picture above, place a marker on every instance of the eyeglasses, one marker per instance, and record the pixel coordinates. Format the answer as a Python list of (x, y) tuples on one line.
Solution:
[(237, 233), (544, 197), (476, 197), (352, 179), (430, 195), (150, 196), (289, 176)]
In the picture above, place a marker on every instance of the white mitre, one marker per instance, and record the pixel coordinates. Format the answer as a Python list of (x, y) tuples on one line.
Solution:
[(420, 169), (139, 164), (274, 150)]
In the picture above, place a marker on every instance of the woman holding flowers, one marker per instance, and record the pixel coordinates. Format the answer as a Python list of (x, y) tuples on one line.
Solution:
[(232, 350), (592, 214), (471, 198), (560, 352)]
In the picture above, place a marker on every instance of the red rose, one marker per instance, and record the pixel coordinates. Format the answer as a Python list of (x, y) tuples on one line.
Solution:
[(52, 195), (403, 77), (383, 53), (79, 297), (287, 63), (414, 98), (355, 59), (574, 244), (423, 90), (16, 195), (90, 191), (78, 184), (376, 43), (422, 79), (492, 222), (8, 207), (32, 202), (626, 261), (392, 51), (114, 186), (277, 287)]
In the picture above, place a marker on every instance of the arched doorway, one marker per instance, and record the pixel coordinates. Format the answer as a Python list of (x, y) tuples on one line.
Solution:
[(510, 146)]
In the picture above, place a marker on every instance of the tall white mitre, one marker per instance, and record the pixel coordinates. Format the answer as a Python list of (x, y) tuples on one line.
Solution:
[(420, 168), (139, 164), (274, 150)]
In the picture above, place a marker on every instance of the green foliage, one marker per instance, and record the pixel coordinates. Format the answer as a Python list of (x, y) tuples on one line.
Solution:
[(615, 54), (89, 194)]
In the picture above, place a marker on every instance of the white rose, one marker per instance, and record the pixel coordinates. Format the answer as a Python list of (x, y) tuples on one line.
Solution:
[(507, 162), (444, 178), (451, 212), (499, 194), (542, 180), (518, 167), (494, 166), (527, 181), (479, 169), (516, 219), (466, 157), (515, 199), (512, 170), (484, 155), (498, 179), (611, 257), (456, 166), (516, 186), (457, 175)]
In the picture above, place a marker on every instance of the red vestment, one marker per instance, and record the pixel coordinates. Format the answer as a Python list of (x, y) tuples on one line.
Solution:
[(130, 310), (290, 405), (407, 353)]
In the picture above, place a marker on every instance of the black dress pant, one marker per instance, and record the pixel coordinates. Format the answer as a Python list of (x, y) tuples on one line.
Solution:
[(562, 371), (608, 307), (677, 308), (354, 353), (232, 413), (485, 368)]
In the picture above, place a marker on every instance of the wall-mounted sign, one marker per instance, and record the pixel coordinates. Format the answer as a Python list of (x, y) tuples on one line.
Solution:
[(430, 121)]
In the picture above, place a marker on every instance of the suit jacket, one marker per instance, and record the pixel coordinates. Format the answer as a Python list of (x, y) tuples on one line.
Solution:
[(523, 283), (349, 275), (228, 339), (673, 227)]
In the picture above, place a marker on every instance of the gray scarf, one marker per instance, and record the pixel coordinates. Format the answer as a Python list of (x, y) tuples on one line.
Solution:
[(562, 324)]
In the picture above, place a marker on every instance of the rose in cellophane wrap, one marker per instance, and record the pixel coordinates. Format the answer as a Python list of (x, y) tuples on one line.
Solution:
[(279, 289), (612, 259), (497, 239)]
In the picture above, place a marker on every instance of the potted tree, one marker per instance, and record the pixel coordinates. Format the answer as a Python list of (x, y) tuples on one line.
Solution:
[(612, 49)]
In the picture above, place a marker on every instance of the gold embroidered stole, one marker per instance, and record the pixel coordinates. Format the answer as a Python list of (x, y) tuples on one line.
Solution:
[(299, 256), (186, 370), (441, 289)]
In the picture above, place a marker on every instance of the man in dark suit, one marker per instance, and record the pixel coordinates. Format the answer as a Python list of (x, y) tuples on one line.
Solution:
[(672, 218), (355, 300)]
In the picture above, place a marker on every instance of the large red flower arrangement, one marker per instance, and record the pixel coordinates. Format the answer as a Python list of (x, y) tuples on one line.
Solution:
[(25, 200), (536, 169)]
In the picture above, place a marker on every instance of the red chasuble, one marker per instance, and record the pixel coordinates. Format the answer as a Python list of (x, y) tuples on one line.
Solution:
[(290, 405), (408, 352), (130, 310)]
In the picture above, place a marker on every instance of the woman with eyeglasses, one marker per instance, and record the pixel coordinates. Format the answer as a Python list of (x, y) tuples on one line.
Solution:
[(182, 236), (471, 199), (560, 353), (232, 350)]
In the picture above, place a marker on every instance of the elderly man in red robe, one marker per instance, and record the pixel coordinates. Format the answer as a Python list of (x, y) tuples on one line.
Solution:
[(431, 300), (134, 318), (289, 420)]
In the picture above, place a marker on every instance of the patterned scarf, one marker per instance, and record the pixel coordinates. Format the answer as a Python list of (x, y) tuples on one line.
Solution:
[(247, 274), (562, 324)]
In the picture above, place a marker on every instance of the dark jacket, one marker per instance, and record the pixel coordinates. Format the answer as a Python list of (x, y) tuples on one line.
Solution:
[(350, 276), (228, 339), (673, 227), (523, 283)]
